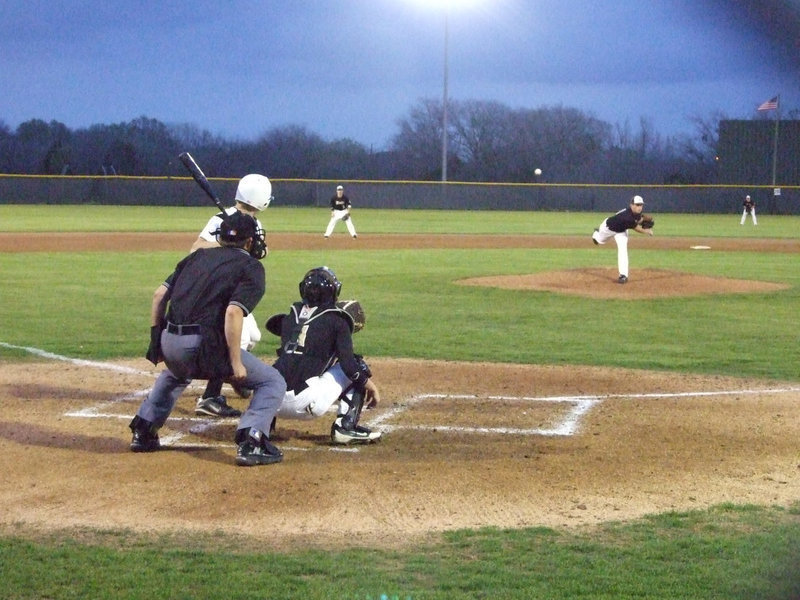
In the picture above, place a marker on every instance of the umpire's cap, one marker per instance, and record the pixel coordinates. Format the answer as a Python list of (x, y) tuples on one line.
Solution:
[(236, 228)]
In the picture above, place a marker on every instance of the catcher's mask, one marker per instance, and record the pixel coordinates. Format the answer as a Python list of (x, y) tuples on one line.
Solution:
[(320, 286), (236, 228)]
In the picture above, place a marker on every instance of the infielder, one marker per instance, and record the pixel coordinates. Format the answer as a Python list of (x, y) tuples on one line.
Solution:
[(749, 209), (340, 211), (617, 226), (317, 361), (196, 326), (253, 194)]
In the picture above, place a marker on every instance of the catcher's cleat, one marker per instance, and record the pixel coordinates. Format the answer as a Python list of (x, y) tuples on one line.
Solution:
[(255, 449), (623, 279), (215, 407), (357, 435), (145, 438)]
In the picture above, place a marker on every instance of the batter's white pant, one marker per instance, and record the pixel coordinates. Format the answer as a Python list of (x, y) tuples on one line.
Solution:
[(603, 234), (339, 215), (744, 217), (317, 399), (251, 334)]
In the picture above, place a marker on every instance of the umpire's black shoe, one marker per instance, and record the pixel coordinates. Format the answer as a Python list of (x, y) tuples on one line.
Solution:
[(145, 438), (255, 450)]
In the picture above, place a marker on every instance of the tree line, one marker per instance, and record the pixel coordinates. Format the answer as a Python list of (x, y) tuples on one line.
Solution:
[(487, 141)]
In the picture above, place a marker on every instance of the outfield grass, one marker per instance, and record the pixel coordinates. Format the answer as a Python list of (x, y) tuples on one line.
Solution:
[(96, 305)]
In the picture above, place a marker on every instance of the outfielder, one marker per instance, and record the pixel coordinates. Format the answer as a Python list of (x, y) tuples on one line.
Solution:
[(253, 194), (196, 326), (749, 209), (317, 361), (617, 226), (340, 211)]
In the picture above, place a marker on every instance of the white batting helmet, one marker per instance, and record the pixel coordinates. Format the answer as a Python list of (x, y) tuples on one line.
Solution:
[(254, 190)]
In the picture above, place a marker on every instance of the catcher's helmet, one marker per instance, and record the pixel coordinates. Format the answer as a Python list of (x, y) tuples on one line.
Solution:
[(254, 190), (320, 286)]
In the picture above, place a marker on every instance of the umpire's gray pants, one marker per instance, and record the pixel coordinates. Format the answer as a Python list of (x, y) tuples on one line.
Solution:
[(180, 352)]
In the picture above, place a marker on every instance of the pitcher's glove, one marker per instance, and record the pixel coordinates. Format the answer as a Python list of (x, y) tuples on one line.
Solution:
[(354, 313), (647, 222)]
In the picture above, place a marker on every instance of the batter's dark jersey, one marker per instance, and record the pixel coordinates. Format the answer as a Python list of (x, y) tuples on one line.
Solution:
[(623, 220), (201, 288), (340, 203), (309, 347)]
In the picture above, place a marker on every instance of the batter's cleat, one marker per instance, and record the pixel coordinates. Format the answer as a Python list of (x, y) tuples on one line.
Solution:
[(256, 450), (357, 435), (145, 438), (215, 407), (623, 279)]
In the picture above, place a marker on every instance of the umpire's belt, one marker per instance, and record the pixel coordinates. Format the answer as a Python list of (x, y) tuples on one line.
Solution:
[(184, 329)]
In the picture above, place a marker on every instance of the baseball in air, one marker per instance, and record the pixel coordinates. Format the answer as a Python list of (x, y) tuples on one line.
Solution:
[(537, 172)]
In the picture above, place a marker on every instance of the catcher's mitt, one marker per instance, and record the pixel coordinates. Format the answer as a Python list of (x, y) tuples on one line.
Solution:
[(354, 312), (647, 222)]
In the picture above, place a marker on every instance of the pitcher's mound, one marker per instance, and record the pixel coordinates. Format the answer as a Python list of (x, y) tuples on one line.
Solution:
[(643, 283)]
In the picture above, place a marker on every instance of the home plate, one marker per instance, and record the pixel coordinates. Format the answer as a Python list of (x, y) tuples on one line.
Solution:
[(700, 247)]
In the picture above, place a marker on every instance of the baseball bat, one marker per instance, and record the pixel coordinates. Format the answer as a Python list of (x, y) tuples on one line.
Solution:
[(200, 177)]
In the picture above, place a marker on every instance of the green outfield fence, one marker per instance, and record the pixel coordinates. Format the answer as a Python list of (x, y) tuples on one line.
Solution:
[(183, 191)]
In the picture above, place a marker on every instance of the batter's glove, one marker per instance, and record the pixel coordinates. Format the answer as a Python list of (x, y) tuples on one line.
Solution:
[(647, 222), (354, 312)]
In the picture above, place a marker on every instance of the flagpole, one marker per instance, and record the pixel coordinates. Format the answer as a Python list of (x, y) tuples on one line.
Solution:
[(775, 141)]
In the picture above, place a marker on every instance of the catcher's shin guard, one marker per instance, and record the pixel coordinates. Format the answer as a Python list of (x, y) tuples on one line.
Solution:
[(345, 429)]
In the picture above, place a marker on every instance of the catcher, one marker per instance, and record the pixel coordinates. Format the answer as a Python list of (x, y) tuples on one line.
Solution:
[(317, 361), (617, 226)]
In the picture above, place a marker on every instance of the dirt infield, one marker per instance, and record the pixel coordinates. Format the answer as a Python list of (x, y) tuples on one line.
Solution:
[(466, 445)]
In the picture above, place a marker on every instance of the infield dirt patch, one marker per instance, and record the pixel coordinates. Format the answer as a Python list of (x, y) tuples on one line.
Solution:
[(466, 444)]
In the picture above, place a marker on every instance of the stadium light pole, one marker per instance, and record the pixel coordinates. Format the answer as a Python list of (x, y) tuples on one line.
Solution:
[(444, 98)]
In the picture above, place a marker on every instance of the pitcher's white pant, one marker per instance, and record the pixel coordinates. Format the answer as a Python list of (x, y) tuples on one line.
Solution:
[(339, 215), (603, 234), (314, 401), (744, 216)]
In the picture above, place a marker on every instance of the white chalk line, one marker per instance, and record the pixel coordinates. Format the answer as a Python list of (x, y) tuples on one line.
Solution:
[(568, 426), (170, 440)]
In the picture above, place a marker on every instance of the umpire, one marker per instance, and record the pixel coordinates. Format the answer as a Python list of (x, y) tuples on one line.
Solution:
[(209, 294)]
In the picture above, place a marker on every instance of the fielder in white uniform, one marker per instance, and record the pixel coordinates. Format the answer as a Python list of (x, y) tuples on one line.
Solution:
[(340, 211), (253, 194), (616, 226), (749, 208)]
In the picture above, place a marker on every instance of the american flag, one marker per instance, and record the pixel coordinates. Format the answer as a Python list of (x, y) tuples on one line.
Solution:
[(770, 104)]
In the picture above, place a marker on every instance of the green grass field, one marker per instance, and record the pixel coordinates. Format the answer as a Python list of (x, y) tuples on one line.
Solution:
[(96, 305)]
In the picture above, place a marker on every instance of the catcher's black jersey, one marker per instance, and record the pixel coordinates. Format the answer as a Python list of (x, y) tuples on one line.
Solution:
[(208, 280), (340, 203), (313, 339), (623, 220)]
